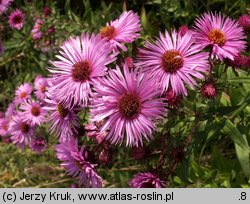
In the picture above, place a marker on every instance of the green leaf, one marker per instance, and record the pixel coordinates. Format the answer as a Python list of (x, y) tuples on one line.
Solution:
[(245, 80), (232, 131), (244, 159), (242, 106)]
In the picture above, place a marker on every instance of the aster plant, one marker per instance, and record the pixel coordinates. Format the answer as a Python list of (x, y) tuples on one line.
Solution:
[(119, 103)]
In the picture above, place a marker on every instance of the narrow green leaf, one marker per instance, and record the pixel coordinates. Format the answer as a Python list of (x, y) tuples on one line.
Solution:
[(232, 131), (244, 159), (245, 80)]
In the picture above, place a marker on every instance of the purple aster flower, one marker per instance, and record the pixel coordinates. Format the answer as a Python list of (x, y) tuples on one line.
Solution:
[(11, 110), (21, 131), (23, 93), (36, 30), (4, 126), (81, 60), (224, 35), (128, 104), (146, 180), (76, 163), (122, 30), (33, 112), (40, 87), (4, 5), (173, 61), (16, 19), (38, 144), (244, 21), (64, 121)]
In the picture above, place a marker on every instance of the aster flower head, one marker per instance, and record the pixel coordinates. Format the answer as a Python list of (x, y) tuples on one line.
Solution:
[(129, 104), (172, 99), (173, 60), (146, 180), (223, 35), (34, 112), (4, 4), (76, 163), (244, 21), (64, 121), (81, 60), (183, 30), (38, 144), (23, 93), (36, 30), (4, 126), (16, 19), (122, 30), (11, 110), (40, 87), (21, 131), (238, 62), (209, 89)]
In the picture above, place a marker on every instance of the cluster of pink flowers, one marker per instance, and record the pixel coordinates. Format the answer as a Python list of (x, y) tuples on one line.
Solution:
[(125, 103)]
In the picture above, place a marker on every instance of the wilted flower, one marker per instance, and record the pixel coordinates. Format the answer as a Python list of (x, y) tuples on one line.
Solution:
[(47, 11)]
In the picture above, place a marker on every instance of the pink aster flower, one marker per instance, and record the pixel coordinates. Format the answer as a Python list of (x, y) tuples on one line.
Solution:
[(38, 144), (40, 87), (173, 61), (76, 163), (122, 30), (146, 180), (244, 21), (11, 110), (81, 60), (21, 131), (23, 93), (129, 104), (36, 31), (16, 19), (4, 5), (4, 126), (33, 112), (64, 121), (224, 35)]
